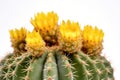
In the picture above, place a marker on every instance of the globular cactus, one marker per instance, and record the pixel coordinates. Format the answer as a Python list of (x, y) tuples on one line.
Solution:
[(55, 51)]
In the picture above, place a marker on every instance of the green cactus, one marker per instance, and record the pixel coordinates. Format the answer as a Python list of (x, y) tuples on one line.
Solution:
[(56, 66), (72, 56)]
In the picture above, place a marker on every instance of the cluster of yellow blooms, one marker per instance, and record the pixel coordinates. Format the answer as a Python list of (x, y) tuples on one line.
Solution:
[(69, 33)]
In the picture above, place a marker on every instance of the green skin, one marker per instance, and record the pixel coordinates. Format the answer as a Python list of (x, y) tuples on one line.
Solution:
[(56, 66)]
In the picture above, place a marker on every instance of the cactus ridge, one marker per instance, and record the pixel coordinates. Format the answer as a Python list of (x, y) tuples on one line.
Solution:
[(64, 67), (108, 68), (91, 69), (50, 68)]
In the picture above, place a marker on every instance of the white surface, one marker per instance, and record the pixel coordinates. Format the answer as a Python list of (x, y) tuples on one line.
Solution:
[(102, 13)]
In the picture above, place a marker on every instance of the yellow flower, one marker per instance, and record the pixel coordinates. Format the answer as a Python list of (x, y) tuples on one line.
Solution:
[(34, 41), (45, 23), (18, 35), (92, 35), (47, 26), (92, 40), (70, 31), (70, 36)]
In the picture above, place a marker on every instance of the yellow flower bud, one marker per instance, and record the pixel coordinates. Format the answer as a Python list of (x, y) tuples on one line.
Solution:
[(70, 36), (34, 40), (92, 40), (35, 43), (45, 22), (18, 35), (46, 25)]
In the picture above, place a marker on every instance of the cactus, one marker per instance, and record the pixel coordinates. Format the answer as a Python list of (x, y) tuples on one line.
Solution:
[(55, 51)]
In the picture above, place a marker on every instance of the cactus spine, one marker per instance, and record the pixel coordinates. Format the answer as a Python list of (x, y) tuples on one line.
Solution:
[(56, 52)]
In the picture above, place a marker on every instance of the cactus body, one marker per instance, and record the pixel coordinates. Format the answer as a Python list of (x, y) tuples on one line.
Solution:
[(56, 66), (56, 52)]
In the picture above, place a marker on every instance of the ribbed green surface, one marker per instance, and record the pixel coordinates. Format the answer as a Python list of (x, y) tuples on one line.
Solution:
[(80, 68), (56, 65), (108, 68), (50, 68), (64, 67), (91, 69), (5, 67), (100, 68), (36, 72)]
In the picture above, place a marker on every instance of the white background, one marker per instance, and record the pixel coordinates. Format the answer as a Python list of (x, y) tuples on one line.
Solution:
[(102, 13)]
